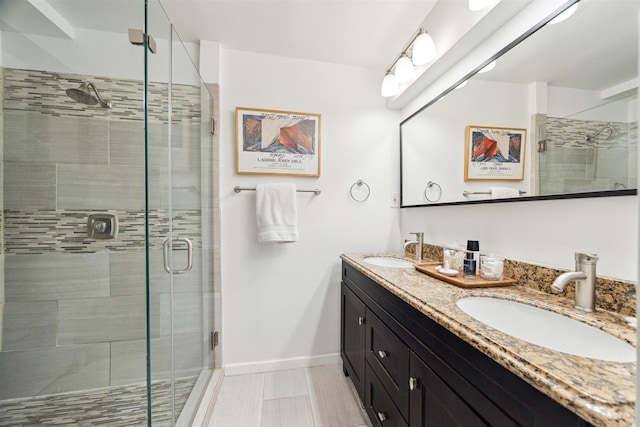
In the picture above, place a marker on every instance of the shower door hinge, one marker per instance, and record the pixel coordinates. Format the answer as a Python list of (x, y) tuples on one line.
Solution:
[(542, 146), (212, 126), (136, 37), (214, 339)]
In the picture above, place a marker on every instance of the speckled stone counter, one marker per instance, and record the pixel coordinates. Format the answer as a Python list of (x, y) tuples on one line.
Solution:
[(600, 392)]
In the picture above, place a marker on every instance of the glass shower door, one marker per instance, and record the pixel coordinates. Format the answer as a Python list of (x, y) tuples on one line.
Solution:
[(177, 137)]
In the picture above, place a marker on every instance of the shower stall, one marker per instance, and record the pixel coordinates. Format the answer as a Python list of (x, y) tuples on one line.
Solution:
[(106, 262), (592, 150)]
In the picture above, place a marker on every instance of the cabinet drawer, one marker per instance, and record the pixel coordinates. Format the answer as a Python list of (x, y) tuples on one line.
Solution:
[(380, 407), (388, 357)]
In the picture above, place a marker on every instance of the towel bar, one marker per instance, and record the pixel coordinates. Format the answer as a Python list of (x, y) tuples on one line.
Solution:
[(468, 193), (238, 189)]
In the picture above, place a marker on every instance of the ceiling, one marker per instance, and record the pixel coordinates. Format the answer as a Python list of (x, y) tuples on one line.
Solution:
[(363, 33), (595, 49)]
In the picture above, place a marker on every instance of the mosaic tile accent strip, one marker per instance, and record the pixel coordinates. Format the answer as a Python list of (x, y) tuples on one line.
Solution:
[(1, 87), (121, 406), (44, 92), (582, 133), (40, 231), (618, 296)]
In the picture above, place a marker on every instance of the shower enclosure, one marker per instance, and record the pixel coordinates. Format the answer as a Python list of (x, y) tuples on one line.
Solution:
[(106, 293), (591, 150)]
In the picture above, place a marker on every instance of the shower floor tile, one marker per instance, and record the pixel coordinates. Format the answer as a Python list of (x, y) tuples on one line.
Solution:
[(121, 406)]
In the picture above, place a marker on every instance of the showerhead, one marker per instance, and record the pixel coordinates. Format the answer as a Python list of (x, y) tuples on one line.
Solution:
[(84, 96), (603, 134)]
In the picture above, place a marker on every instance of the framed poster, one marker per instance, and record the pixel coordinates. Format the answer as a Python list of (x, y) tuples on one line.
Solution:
[(493, 153), (275, 142)]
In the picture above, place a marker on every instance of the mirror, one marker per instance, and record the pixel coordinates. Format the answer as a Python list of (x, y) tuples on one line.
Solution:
[(555, 118)]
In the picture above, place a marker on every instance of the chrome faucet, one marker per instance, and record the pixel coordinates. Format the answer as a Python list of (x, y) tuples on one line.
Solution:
[(418, 242), (585, 278)]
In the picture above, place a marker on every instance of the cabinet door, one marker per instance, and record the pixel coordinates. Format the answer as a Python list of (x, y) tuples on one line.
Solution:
[(352, 337), (432, 403)]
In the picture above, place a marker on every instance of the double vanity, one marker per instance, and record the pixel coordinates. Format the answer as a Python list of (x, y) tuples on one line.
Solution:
[(422, 352)]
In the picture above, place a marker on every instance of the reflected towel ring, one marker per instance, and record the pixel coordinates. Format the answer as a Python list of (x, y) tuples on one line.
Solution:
[(430, 185), (359, 183)]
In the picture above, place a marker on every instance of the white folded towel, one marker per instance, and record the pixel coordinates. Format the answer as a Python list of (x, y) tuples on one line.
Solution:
[(276, 212), (502, 192)]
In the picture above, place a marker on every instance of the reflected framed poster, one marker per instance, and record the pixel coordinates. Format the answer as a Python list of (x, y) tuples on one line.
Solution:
[(494, 153), (277, 142)]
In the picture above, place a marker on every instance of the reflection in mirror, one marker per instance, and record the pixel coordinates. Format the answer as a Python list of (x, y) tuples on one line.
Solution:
[(571, 85), (593, 150)]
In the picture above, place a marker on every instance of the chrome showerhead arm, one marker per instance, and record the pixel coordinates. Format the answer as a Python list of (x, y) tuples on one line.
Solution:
[(106, 103)]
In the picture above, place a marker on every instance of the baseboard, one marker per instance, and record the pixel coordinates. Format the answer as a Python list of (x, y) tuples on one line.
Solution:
[(281, 364)]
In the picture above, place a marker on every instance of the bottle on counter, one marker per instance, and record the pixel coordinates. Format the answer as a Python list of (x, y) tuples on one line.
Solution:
[(473, 247), (470, 266)]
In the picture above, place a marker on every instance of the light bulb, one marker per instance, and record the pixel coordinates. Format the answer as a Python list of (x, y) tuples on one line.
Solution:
[(424, 50), (390, 85), (404, 69), (564, 15), (490, 66), (475, 5)]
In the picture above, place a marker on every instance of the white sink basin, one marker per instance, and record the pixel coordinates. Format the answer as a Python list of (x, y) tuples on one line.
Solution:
[(547, 329), (383, 261)]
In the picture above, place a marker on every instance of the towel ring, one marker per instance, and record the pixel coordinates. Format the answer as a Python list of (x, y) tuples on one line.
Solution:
[(430, 185), (358, 184)]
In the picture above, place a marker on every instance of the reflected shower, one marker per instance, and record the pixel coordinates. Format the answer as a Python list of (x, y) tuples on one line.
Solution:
[(83, 95), (606, 132)]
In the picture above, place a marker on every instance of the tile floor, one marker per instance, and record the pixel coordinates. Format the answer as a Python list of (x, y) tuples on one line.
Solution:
[(320, 396), (119, 406)]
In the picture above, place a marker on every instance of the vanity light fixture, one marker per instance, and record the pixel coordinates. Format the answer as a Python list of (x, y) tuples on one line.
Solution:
[(404, 69), (422, 50), (565, 15), (390, 85), (475, 5), (490, 66)]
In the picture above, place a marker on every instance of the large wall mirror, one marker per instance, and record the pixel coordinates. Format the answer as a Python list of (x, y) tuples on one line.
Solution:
[(555, 118)]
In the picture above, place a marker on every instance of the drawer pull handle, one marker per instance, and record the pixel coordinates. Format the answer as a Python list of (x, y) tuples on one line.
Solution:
[(382, 416), (360, 320), (382, 354), (413, 383)]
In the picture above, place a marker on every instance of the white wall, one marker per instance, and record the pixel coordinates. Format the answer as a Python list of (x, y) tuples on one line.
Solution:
[(543, 232), (281, 302)]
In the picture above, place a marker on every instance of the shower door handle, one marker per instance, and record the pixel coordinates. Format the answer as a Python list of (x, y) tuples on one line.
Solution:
[(167, 267)]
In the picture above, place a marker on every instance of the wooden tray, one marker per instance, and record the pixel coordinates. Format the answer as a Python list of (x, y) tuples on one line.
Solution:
[(430, 269)]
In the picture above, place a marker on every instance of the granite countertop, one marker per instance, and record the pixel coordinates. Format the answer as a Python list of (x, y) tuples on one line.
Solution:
[(601, 392)]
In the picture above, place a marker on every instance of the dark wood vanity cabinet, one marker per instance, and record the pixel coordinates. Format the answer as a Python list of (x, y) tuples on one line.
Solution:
[(352, 338), (434, 403), (411, 371)]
